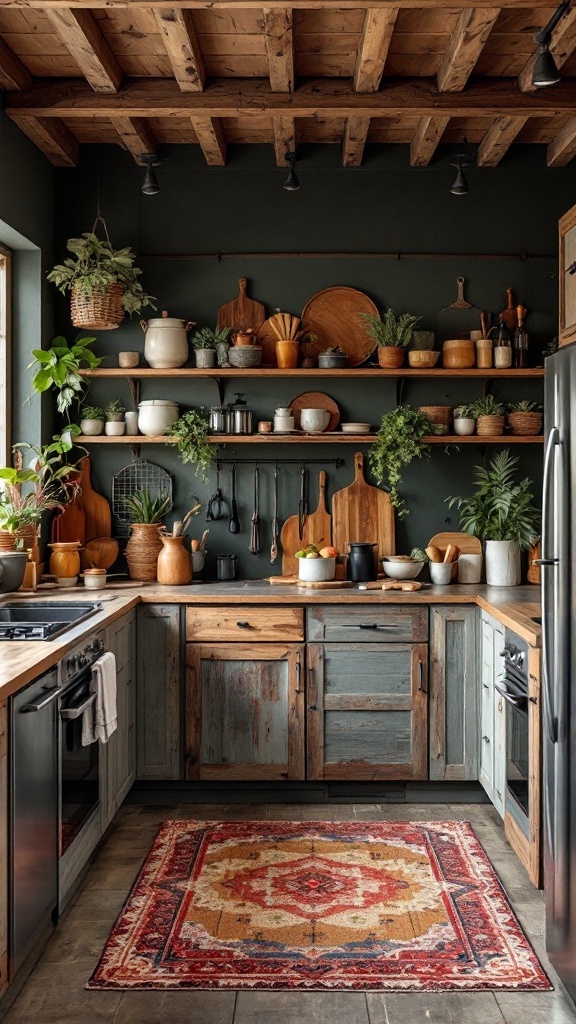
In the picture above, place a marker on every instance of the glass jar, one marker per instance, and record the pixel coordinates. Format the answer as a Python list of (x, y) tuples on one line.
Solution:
[(502, 348)]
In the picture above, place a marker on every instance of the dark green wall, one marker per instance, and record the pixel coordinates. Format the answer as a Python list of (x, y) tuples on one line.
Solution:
[(383, 206)]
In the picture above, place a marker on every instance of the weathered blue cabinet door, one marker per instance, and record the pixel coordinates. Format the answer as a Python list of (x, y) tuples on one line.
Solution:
[(454, 690), (158, 692)]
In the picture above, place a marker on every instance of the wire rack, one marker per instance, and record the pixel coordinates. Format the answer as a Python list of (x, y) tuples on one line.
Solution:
[(138, 476)]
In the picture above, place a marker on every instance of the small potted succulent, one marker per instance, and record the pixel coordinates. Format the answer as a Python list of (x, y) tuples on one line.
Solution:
[(332, 359), (392, 335), (92, 421), (489, 415), (464, 420), (525, 418), (204, 344), (115, 424)]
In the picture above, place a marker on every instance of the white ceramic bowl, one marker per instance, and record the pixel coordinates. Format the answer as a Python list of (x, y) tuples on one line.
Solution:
[(355, 428), (155, 415), (402, 570), (316, 570), (66, 581)]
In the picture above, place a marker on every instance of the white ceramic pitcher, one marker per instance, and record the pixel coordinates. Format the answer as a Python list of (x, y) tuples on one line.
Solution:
[(166, 341)]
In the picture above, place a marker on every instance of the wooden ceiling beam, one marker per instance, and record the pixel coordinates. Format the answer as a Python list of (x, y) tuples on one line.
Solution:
[(13, 73), (426, 139), (498, 140), (373, 49), (86, 44), (231, 5), (466, 43), (52, 137), (562, 46), (277, 28), (136, 136), (182, 48), (161, 97), (355, 136), (210, 134), (562, 148), (284, 138)]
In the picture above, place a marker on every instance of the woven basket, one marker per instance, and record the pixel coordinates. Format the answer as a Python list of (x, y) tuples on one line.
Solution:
[(489, 426), (142, 551), (525, 424), (437, 413), (100, 311)]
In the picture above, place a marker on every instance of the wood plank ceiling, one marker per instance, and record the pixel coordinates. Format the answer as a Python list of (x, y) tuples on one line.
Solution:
[(214, 72)]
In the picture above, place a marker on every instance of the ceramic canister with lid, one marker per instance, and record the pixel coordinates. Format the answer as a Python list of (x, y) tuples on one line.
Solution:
[(156, 415), (166, 341)]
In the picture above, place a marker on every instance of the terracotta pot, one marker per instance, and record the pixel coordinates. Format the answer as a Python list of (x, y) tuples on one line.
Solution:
[(65, 559), (174, 563), (142, 551), (390, 357), (7, 540), (287, 354)]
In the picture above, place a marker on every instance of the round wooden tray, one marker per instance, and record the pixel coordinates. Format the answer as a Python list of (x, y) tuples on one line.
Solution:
[(315, 400), (333, 316)]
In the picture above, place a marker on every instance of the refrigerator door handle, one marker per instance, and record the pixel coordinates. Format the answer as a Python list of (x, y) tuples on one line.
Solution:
[(547, 562)]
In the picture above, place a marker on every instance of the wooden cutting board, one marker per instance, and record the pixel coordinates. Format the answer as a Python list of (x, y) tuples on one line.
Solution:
[(333, 316), (70, 524), (242, 314), (309, 584), (315, 400), (459, 318), (362, 512), (468, 545), (317, 526), (96, 508)]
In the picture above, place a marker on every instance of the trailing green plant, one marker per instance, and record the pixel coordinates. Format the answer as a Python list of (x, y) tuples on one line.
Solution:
[(114, 410), (60, 366), (464, 412), (92, 412), (208, 337), (399, 441), (389, 330), (501, 507), (191, 433), (51, 479), (524, 407), (487, 406), (95, 265), (143, 508)]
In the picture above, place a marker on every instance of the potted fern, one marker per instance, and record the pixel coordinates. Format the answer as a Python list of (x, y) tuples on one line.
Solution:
[(392, 335), (525, 418), (489, 415), (146, 514)]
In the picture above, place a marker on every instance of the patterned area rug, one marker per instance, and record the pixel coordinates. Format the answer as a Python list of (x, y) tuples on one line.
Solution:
[(413, 906)]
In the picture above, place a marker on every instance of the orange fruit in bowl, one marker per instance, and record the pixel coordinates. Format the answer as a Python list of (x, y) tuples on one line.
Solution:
[(328, 552)]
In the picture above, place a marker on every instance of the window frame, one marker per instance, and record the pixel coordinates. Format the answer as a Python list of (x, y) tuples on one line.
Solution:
[(5, 354)]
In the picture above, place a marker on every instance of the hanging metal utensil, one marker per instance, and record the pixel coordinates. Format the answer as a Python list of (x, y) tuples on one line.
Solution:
[(217, 504), (303, 503), (255, 532), (274, 547), (234, 522)]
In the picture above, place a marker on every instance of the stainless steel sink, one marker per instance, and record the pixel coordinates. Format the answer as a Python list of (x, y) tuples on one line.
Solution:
[(42, 620)]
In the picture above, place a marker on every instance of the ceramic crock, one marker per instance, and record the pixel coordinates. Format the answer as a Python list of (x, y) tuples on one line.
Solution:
[(155, 415), (166, 341)]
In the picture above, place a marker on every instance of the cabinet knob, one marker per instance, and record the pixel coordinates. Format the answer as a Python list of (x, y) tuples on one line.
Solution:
[(244, 625), (312, 707), (486, 739)]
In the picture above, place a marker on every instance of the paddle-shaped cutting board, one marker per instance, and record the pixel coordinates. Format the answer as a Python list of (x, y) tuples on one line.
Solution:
[(362, 512), (70, 524), (96, 508), (242, 314), (317, 529)]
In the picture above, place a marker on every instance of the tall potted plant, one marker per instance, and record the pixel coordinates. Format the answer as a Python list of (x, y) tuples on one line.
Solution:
[(392, 335), (500, 513), (146, 515)]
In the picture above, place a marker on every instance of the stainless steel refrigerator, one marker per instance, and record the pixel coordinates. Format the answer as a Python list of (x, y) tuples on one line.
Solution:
[(559, 662)]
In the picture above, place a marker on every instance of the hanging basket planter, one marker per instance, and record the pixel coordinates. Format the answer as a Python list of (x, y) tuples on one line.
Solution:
[(100, 311)]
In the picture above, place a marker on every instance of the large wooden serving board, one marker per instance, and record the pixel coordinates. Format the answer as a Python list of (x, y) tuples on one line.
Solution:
[(242, 314), (70, 524), (317, 527), (333, 316), (362, 512), (96, 508), (309, 584)]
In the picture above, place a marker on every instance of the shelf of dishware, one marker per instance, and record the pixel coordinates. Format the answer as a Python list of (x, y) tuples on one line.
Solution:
[(142, 373), (337, 437)]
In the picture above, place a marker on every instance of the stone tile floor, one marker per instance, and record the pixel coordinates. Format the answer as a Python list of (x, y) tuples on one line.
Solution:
[(55, 994)]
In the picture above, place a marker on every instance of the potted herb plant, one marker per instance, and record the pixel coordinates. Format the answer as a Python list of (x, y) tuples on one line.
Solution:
[(191, 433), (392, 335), (525, 418), (21, 506), (204, 343), (500, 513), (60, 367), (464, 420), (146, 514), (92, 422), (115, 425), (489, 415), (399, 441), (103, 282)]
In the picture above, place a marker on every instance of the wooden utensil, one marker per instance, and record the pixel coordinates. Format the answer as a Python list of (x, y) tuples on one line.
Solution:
[(242, 314), (406, 585), (70, 523), (333, 316), (315, 400), (96, 508), (509, 315), (466, 544), (316, 529), (101, 552), (459, 318), (309, 584), (362, 512)]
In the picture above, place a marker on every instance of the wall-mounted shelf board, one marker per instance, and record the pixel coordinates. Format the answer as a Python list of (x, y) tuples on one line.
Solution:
[(143, 373), (335, 438)]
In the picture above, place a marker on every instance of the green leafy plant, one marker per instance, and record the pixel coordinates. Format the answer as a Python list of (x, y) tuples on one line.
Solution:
[(51, 479), (143, 508), (399, 441), (501, 507), (550, 348), (59, 367), (524, 407), (419, 554), (92, 412), (208, 337), (94, 265), (464, 412), (191, 433), (114, 410), (388, 330), (487, 406)]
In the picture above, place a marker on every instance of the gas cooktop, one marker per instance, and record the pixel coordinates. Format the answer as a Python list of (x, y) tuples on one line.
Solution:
[(41, 620)]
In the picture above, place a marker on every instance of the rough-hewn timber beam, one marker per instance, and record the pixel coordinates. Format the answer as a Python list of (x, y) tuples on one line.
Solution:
[(562, 46), (373, 49), (243, 97), (13, 74), (277, 28), (284, 138), (52, 137), (310, 5), (465, 46), (182, 48), (426, 139), (562, 149), (210, 135), (354, 141), (498, 140), (136, 135), (86, 44)]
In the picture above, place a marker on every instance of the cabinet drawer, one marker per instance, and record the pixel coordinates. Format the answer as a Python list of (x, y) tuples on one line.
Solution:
[(243, 622), (368, 624)]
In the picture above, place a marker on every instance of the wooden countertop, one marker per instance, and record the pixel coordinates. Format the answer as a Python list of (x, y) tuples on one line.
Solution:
[(23, 661)]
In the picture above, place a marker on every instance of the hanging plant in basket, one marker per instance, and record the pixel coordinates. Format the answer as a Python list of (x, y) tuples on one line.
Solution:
[(102, 281)]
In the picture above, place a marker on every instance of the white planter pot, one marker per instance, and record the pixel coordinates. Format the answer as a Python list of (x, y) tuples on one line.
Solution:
[(464, 426), (316, 570), (502, 563), (156, 415), (114, 428), (131, 420), (165, 342), (91, 427)]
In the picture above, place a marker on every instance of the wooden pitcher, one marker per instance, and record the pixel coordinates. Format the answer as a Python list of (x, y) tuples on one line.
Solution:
[(174, 562)]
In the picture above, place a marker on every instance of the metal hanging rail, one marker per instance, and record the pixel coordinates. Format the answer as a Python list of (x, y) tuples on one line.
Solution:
[(398, 255)]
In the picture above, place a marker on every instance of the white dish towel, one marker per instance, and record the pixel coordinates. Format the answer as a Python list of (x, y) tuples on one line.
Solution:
[(100, 720)]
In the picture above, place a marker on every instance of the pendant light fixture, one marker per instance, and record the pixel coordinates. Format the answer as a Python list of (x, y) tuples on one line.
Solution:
[(291, 184), (460, 185), (545, 71), (150, 186)]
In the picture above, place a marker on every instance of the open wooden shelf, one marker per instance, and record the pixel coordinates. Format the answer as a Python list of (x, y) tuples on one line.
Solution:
[(333, 438), (346, 374)]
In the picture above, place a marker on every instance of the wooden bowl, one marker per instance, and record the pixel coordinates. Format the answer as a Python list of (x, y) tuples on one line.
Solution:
[(422, 359)]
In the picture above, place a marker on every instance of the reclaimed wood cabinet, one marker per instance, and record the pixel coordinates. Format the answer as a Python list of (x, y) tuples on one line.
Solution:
[(567, 277), (120, 751), (454, 704), (158, 692), (492, 714), (244, 711), (4, 873)]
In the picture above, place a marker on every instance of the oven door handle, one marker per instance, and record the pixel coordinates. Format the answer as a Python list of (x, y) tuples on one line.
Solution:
[(78, 709), (516, 703), (51, 695)]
